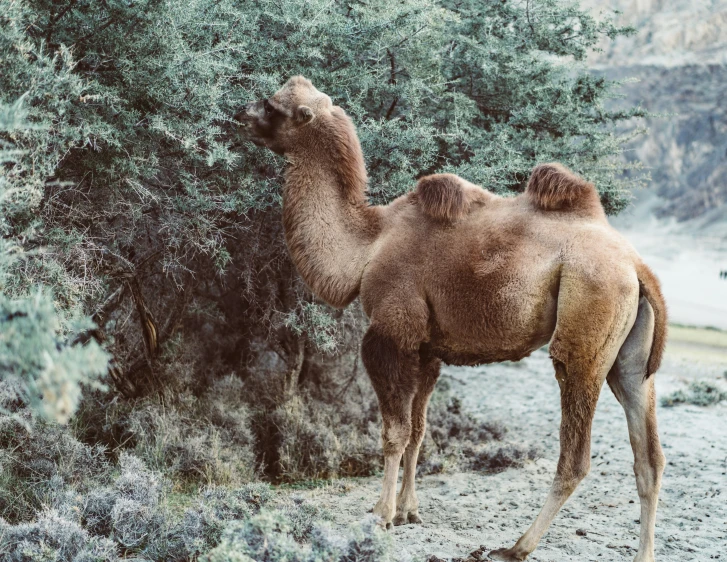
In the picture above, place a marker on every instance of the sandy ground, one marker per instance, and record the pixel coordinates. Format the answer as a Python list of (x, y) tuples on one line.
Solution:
[(463, 511)]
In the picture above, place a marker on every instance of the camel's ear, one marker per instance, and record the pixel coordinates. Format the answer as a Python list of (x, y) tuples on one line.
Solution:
[(304, 114)]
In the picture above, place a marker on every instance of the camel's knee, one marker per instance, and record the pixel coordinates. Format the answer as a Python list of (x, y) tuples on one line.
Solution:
[(581, 472), (657, 459), (395, 437), (572, 481), (571, 476)]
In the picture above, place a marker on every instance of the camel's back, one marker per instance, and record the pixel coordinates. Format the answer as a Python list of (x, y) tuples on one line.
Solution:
[(419, 231), (491, 275)]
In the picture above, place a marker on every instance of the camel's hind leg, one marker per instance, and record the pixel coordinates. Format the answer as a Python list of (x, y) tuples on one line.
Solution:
[(584, 346), (578, 402), (407, 504), (635, 392)]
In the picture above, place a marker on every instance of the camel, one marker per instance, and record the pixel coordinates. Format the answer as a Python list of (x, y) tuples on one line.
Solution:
[(452, 273)]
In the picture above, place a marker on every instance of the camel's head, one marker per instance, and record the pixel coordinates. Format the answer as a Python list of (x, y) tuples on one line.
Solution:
[(278, 121)]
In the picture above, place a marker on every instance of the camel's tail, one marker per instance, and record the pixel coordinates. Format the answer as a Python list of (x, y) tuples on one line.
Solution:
[(651, 289), (442, 197), (553, 187)]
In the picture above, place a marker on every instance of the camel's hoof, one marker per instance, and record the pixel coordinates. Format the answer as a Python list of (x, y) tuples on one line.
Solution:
[(384, 525), (505, 555), (414, 518), (400, 519), (403, 518)]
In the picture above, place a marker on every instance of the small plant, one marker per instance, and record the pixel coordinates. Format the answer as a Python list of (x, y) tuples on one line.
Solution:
[(53, 538), (269, 537), (38, 459), (132, 517), (194, 440), (698, 393), (459, 441)]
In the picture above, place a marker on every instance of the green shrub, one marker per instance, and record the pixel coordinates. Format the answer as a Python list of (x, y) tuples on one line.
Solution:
[(35, 350), (37, 459), (133, 202), (107, 511), (698, 393), (53, 538), (268, 537)]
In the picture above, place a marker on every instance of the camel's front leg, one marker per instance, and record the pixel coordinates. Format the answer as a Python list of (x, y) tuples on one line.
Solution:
[(395, 436), (407, 504), (393, 376)]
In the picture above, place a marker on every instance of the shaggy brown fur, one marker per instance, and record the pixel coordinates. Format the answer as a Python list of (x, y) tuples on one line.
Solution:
[(452, 272), (447, 198), (441, 196), (553, 187)]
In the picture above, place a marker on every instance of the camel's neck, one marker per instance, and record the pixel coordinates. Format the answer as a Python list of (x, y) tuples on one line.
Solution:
[(329, 226)]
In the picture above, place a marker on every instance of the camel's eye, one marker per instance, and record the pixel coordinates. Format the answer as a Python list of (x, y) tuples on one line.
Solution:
[(268, 107)]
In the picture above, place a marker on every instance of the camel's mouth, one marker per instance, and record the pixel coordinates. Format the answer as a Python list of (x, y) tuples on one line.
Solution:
[(244, 128), (242, 120), (259, 122), (248, 133)]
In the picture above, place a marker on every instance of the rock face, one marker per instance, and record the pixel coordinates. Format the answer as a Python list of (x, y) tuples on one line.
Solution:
[(668, 32), (679, 55)]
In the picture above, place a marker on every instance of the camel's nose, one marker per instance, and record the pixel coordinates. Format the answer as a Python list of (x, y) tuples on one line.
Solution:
[(244, 112), (241, 113)]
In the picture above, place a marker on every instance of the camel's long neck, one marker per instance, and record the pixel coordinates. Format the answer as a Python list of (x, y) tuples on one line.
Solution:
[(329, 226)]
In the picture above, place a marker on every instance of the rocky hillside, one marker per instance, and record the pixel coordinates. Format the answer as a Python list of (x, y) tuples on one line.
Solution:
[(679, 55)]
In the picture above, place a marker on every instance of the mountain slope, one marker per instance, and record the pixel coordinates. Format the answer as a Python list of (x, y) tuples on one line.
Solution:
[(679, 55)]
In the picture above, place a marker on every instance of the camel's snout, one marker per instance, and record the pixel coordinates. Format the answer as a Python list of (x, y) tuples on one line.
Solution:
[(248, 117), (245, 112)]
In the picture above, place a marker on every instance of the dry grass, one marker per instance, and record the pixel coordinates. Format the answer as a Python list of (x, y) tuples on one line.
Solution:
[(698, 344)]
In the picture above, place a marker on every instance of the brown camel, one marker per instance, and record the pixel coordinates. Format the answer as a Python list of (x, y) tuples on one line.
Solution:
[(451, 272)]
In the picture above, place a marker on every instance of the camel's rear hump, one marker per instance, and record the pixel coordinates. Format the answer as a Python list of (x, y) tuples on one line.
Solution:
[(553, 187)]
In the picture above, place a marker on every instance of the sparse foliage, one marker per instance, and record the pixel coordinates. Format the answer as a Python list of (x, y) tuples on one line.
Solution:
[(698, 393), (82, 508)]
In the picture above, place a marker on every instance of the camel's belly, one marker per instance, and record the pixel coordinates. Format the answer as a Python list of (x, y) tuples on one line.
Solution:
[(490, 320), (461, 349), (450, 357)]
